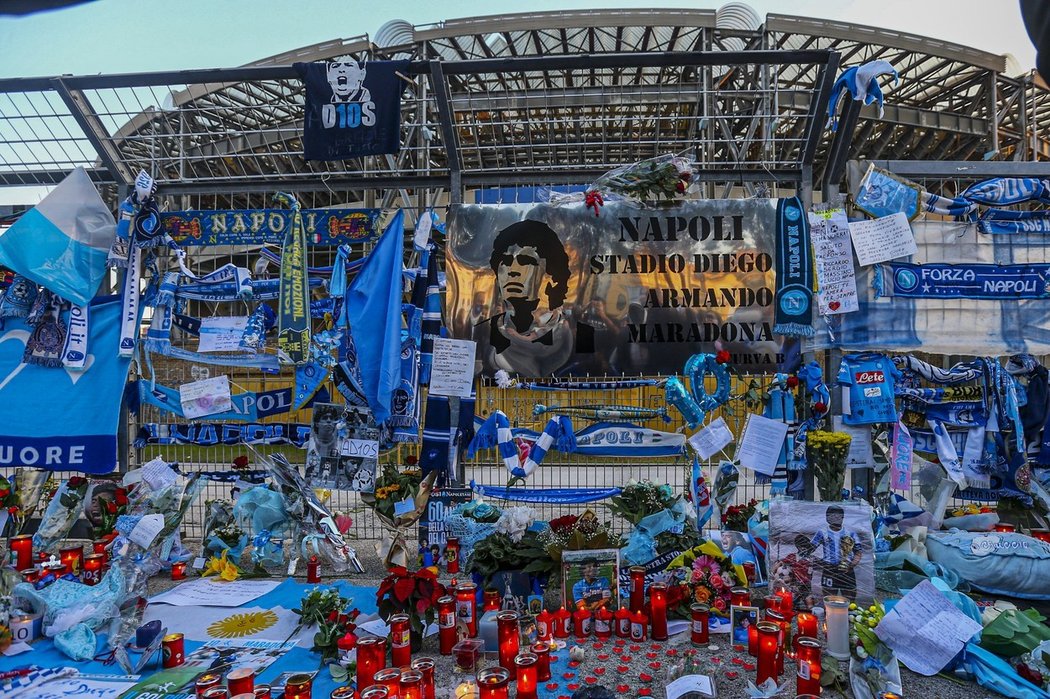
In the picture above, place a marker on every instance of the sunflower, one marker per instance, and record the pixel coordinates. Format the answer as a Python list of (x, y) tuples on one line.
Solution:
[(242, 624)]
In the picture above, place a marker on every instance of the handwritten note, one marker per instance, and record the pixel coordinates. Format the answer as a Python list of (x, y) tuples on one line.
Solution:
[(882, 239), (711, 439), (206, 592), (760, 446), (836, 279), (206, 397), (146, 530), (422, 234), (689, 686), (222, 333), (86, 686), (453, 372), (859, 455), (925, 629)]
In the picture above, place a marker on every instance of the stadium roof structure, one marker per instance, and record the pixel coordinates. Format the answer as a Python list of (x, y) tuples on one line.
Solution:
[(536, 99)]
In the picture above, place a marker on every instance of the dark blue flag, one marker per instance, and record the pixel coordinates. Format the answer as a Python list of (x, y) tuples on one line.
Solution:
[(352, 109)]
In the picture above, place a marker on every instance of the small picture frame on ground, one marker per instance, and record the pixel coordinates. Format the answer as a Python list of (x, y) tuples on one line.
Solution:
[(589, 578), (740, 620)]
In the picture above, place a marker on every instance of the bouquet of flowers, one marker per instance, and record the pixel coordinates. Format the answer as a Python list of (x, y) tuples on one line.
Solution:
[(9, 502), (414, 593), (663, 177), (639, 499), (61, 513), (514, 522), (871, 661), (735, 517), (399, 500), (826, 454), (577, 533), (703, 575), (228, 540), (29, 488), (498, 552), (335, 621), (109, 509)]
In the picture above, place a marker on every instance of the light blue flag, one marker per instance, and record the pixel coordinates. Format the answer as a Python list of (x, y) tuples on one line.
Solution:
[(62, 243), (373, 307), (60, 419)]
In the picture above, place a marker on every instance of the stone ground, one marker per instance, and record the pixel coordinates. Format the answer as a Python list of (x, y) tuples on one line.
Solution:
[(605, 665)]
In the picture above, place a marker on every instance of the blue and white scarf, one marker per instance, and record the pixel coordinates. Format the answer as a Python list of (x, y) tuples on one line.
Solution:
[(627, 440), (545, 495), (262, 290), (1009, 222), (614, 385), (793, 314), (496, 432), (247, 406), (431, 320), (968, 281), (74, 353), (210, 434), (610, 412)]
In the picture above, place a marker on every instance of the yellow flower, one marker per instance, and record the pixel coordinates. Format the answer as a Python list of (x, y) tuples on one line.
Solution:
[(230, 572), (323, 494), (219, 565)]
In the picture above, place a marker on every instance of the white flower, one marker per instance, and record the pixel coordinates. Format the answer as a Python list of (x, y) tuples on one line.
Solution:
[(514, 521)]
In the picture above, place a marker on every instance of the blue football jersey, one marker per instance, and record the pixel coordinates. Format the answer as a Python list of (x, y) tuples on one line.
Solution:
[(867, 381)]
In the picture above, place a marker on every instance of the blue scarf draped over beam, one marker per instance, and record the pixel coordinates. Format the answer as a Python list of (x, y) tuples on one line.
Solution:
[(793, 314)]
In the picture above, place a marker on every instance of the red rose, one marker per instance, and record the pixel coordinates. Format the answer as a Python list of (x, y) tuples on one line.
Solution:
[(241, 462), (680, 186), (13, 510), (121, 497), (411, 460), (111, 507), (1033, 676), (792, 382), (722, 357), (819, 407), (76, 482), (4, 492), (346, 642)]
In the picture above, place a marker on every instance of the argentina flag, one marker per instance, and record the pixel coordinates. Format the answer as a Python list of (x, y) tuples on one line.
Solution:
[(61, 419)]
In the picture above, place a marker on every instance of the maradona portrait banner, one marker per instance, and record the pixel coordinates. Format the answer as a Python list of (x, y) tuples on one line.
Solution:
[(546, 289)]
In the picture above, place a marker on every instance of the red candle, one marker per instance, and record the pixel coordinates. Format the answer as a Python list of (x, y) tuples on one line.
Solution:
[(72, 558), (446, 624), (400, 640), (807, 625), (30, 575), (1004, 527), (658, 610), (313, 570), (623, 623), (699, 614), (490, 601), (1041, 534), (786, 602), (581, 622), (603, 623), (425, 667), (785, 635), (508, 639), (467, 607), (525, 668), (241, 680), (411, 684), (562, 621), (749, 571), (639, 621), (99, 547), (178, 571), (21, 549), (492, 683), (637, 588), (542, 651), (752, 641), (544, 625), (808, 679), (768, 651), (371, 657), (376, 692), (452, 554), (92, 574), (389, 677), (740, 597)]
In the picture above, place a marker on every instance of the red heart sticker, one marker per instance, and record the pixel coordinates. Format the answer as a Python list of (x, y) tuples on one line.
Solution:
[(634, 648), (599, 670), (672, 652), (603, 656), (572, 687), (731, 675), (645, 677), (599, 645), (655, 665), (656, 646), (622, 688), (644, 692), (738, 649), (749, 666), (834, 305), (552, 686), (569, 675), (650, 655), (622, 669), (590, 680), (716, 660), (737, 661), (625, 658), (620, 641), (574, 663)]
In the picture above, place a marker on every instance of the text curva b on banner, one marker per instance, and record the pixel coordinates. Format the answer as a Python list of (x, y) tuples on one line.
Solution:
[(547, 289)]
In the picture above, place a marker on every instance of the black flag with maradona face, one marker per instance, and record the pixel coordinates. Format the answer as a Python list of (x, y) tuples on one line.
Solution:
[(352, 109)]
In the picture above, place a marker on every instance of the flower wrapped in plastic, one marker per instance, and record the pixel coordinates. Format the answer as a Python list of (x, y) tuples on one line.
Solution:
[(229, 540), (665, 177), (826, 454), (29, 488), (873, 666), (170, 499), (217, 513), (514, 521), (61, 514), (399, 500), (705, 575)]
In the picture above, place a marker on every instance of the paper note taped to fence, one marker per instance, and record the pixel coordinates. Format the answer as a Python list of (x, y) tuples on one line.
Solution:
[(882, 239)]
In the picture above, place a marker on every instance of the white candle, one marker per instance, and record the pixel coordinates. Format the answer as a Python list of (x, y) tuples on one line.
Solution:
[(467, 690), (23, 627), (836, 610)]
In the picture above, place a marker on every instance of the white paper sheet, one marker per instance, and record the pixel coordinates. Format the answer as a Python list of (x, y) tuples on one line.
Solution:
[(760, 446), (210, 623), (711, 439), (925, 629), (206, 397), (836, 278), (222, 334), (422, 233), (156, 474), (207, 592), (146, 530), (17, 648), (453, 371), (691, 683), (859, 455), (882, 239), (85, 686)]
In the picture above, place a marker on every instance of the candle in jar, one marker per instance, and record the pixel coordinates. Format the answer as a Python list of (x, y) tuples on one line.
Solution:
[(241, 680), (490, 600), (215, 693), (581, 622), (298, 687), (637, 588), (526, 671), (466, 690), (376, 692), (544, 624), (93, 564), (411, 685), (400, 640), (492, 683), (752, 640), (658, 610), (446, 624), (603, 623), (467, 607), (622, 622), (389, 677), (425, 667), (562, 623), (542, 651), (24, 627), (21, 550), (313, 570), (1040, 534), (699, 618), (72, 558), (99, 547), (836, 614), (777, 618), (338, 693), (749, 572), (808, 679), (1004, 527), (178, 570), (262, 691), (371, 657), (509, 639), (740, 597), (639, 622), (452, 554), (768, 650), (786, 602), (807, 625)]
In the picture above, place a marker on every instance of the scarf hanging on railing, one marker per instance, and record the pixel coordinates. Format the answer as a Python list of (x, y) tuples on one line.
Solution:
[(611, 385), (612, 412), (47, 336), (956, 414), (262, 290), (275, 257), (75, 350), (963, 372), (496, 432), (209, 434), (962, 281), (545, 495), (293, 307), (229, 273), (793, 314), (247, 406), (431, 319), (626, 440), (700, 495), (158, 341), (948, 394), (812, 377), (781, 407), (1009, 222)]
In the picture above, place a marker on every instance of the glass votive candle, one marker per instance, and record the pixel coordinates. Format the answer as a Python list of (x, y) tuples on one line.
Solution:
[(699, 618), (400, 640), (262, 691), (1040, 534), (637, 599), (299, 687), (72, 557), (241, 680), (1004, 527), (411, 685), (376, 692), (425, 667), (21, 551), (807, 625), (93, 564), (446, 624), (178, 570), (836, 614), (371, 657), (343, 693), (658, 611), (509, 639), (808, 676), (389, 677), (467, 607), (768, 651), (526, 672), (740, 597), (542, 651), (467, 655), (215, 693), (492, 683)]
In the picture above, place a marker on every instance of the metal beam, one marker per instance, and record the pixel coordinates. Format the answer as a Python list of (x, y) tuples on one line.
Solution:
[(448, 131), (961, 169), (30, 178), (84, 114), (818, 107), (835, 165)]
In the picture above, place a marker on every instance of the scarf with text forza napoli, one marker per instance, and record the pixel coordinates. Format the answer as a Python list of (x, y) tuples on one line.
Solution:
[(794, 270)]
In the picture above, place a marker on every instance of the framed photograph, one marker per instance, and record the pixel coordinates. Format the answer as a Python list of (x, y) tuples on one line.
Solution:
[(589, 577), (322, 449), (740, 620), (821, 548), (738, 547)]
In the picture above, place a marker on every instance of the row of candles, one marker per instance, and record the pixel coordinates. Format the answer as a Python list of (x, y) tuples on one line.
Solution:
[(71, 560)]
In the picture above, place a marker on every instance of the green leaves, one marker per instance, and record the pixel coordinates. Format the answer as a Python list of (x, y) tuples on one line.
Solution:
[(1014, 633), (341, 674)]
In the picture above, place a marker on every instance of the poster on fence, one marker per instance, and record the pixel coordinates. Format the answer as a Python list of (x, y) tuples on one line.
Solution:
[(555, 290)]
